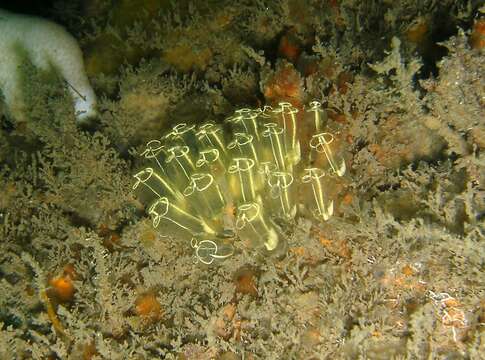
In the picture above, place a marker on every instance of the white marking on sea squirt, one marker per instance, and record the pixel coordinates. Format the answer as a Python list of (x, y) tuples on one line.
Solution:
[(47, 46)]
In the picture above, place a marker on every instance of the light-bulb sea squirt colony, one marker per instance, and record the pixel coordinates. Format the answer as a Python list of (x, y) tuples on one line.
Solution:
[(214, 187)]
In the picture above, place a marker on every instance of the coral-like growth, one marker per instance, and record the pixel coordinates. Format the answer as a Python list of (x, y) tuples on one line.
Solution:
[(213, 187)]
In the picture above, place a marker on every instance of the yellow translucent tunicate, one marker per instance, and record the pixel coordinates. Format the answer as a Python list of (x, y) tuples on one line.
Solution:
[(210, 161), (209, 250), (206, 199), (322, 206), (249, 119), (179, 164), (211, 136), (154, 186), (247, 184), (244, 121), (253, 228), (322, 144), (273, 143), (265, 169), (285, 116), (165, 210), (156, 152), (319, 115), (282, 195), (242, 180), (264, 115), (182, 134), (236, 123), (243, 146)]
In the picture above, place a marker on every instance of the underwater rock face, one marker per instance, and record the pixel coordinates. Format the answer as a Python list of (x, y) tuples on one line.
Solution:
[(211, 186)]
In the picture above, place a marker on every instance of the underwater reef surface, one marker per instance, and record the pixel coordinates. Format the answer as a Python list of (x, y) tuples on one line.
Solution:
[(397, 272)]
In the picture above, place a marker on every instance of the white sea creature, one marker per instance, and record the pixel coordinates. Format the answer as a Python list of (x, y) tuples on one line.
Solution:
[(47, 46)]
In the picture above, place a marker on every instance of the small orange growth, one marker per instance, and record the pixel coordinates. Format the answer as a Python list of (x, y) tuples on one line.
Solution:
[(343, 80), (451, 302), (229, 311), (111, 238), (377, 151), (407, 281), (454, 317), (289, 47), (416, 32), (230, 210), (62, 286), (347, 199), (224, 325), (148, 307), (89, 351), (298, 251), (477, 38), (311, 337), (285, 84), (339, 248), (245, 283), (407, 270), (148, 236), (303, 254)]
